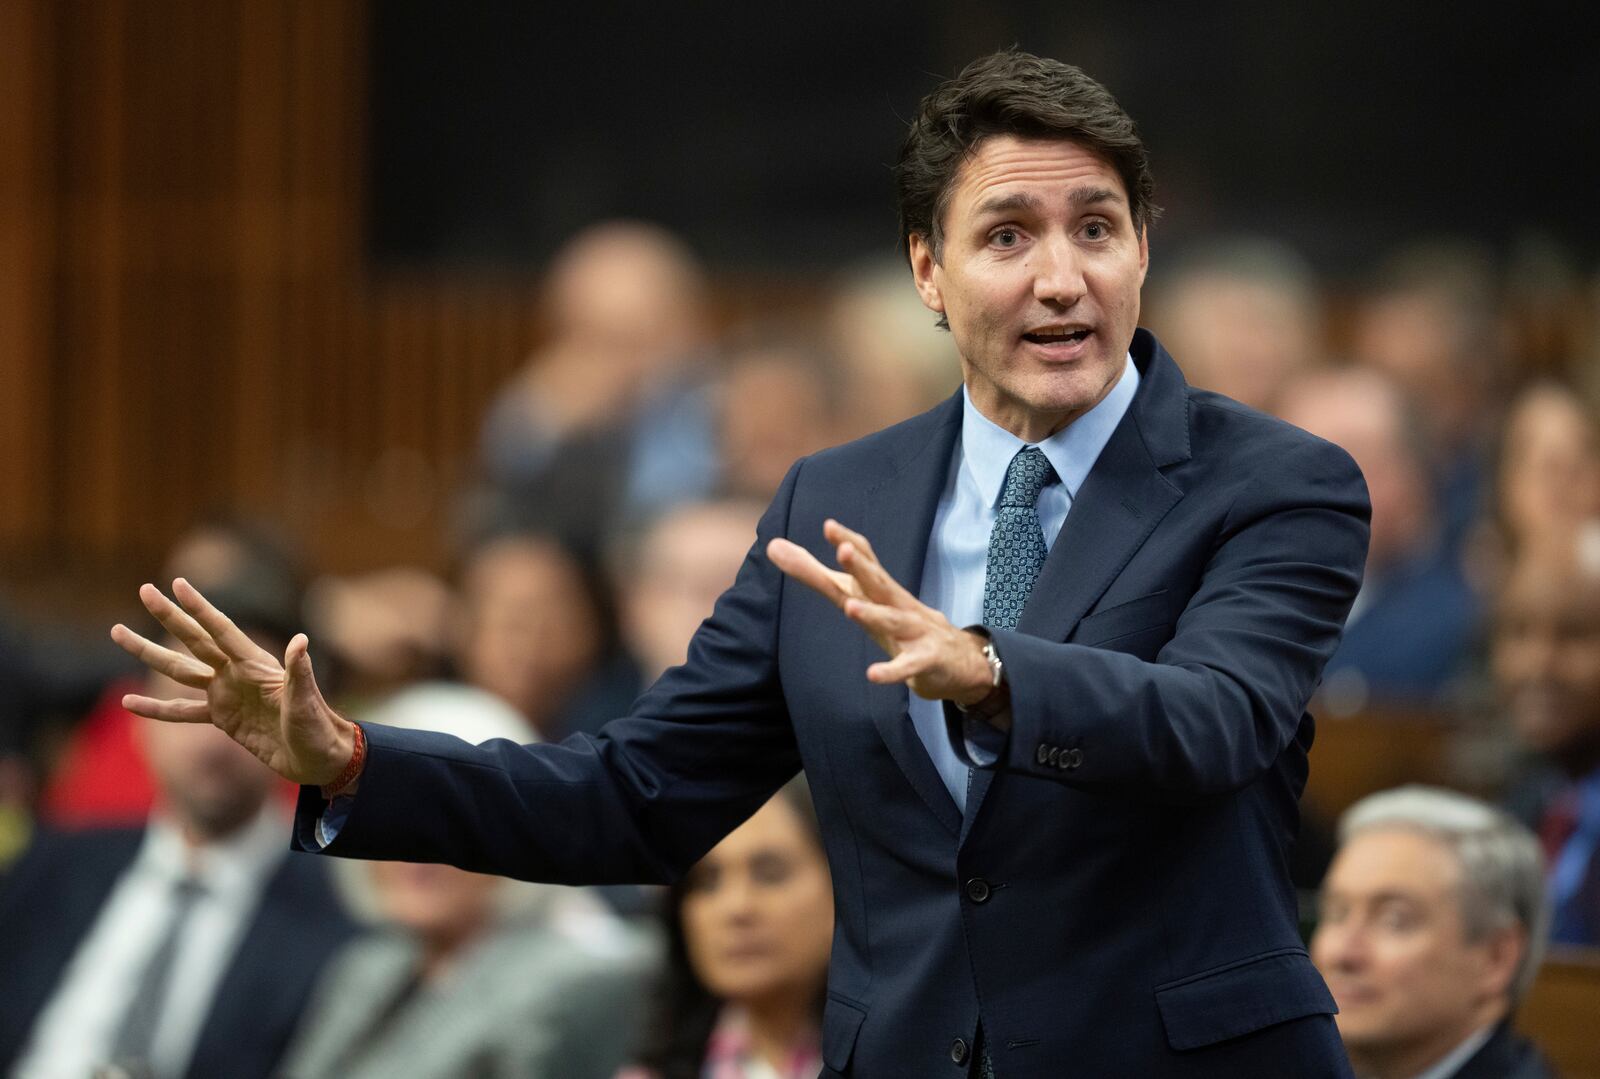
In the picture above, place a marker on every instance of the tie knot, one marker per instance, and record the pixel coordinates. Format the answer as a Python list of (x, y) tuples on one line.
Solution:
[(1026, 476)]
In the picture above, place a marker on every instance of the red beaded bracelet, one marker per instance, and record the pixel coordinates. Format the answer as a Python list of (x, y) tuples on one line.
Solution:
[(358, 758)]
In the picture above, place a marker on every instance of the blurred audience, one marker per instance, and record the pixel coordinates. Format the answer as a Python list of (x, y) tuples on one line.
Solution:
[(749, 930), (613, 413), (467, 975), (1416, 614), (536, 629), (1549, 468), (1432, 930), (1546, 660), (1431, 320), (895, 362), (670, 572), (777, 404), (384, 630), (184, 948), (1243, 317)]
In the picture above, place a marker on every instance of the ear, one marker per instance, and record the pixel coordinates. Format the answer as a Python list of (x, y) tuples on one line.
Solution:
[(1144, 252), (1503, 952), (924, 270)]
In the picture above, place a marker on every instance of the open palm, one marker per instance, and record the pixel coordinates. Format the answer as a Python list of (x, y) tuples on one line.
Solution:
[(272, 708)]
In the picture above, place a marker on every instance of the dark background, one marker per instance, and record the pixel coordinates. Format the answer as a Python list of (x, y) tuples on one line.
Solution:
[(765, 133)]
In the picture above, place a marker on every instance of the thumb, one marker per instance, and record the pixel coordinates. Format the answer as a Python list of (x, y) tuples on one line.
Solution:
[(303, 692)]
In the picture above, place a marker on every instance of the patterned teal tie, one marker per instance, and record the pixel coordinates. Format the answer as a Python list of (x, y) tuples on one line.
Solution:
[(1016, 555), (1016, 546)]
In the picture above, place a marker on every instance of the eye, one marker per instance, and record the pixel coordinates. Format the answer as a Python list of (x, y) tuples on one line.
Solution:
[(770, 869), (1006, 237), (1096, 230)]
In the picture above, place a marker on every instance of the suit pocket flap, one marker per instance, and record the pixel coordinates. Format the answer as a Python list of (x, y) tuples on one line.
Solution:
[(1146, 612), (841, 1022), (1242, 998)]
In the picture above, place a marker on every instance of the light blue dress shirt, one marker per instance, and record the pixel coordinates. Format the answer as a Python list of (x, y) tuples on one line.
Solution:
[(958, 548)]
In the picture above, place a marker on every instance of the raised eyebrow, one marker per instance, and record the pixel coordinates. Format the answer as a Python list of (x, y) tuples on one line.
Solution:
[(1001, 204), (1089, 196), (1022, 200)]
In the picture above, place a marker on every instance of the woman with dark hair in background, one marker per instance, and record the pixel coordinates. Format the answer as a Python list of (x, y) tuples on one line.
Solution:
[(749, 929)]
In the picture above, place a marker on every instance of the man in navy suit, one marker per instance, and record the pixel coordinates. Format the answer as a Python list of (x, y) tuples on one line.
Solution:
[(1057, 838), (187, 947)]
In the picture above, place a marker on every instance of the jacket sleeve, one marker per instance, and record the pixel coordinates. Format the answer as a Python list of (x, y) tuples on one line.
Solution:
[(700, 751), (1226, 694)]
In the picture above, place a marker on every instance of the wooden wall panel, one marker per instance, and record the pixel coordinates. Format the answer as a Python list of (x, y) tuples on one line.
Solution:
[(186, 320)]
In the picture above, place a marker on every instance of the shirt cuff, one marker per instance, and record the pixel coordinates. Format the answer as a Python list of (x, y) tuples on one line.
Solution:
[(333, 819), (977, 742)]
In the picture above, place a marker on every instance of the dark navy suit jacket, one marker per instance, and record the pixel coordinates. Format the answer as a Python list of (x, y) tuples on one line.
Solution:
[(1116, 900), (51, 898)]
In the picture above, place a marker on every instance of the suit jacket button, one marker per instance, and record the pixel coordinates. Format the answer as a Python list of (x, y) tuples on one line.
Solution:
[(1076, 756), (1042, 754), (978, 890), (1054, 756), (958, 1051)]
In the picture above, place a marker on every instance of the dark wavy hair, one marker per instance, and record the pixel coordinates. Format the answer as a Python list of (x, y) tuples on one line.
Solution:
[(1012, 92), (684, 1012)]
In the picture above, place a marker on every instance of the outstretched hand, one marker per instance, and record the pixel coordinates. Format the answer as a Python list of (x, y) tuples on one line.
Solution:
[(273, 709), (936, 659)]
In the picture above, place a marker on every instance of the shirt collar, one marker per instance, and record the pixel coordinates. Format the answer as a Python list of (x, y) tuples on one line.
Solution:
[(987, 448), (1453, 1061), (233, 865)]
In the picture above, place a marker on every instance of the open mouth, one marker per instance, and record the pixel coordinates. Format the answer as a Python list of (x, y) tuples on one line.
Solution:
[(1057, 336)]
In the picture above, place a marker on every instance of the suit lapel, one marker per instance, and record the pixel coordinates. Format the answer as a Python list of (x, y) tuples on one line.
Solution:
[(1118, 506), (1120, 503), (898, 519)]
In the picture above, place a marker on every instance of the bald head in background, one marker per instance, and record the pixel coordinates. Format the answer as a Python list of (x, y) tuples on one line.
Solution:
[(628, 289)]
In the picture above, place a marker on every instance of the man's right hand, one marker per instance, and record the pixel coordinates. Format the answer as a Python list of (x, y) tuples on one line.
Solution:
[(273, 709)]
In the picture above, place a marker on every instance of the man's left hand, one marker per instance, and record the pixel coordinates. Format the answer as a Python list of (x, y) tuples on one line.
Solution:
[(934, 658)]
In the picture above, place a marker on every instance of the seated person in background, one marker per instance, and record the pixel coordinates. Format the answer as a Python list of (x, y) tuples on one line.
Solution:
[(1416, 614), (1432, 929), (471, 975), (1549, 469), (1545, 652), (612, 412), (894, 360), (749, 931), (778, 402), (1243, 316), (184, 948), (670, 573), (536, 629), (1431, 318)]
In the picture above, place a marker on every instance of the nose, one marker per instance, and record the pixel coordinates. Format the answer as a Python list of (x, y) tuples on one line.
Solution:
[(1058, 272), (1340, 947), (736, 900)]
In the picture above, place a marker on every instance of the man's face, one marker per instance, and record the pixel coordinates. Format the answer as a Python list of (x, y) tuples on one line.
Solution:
[(1393, 948), (1546, 657), (1039, 277)]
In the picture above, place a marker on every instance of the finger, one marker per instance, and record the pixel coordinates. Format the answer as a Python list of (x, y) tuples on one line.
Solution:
[(882, 620), (182, 710), (874, 580), (229, 637), (803, 566), (176, 621), (902, 668), (304, 696), (838, 533), (180, 668)]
